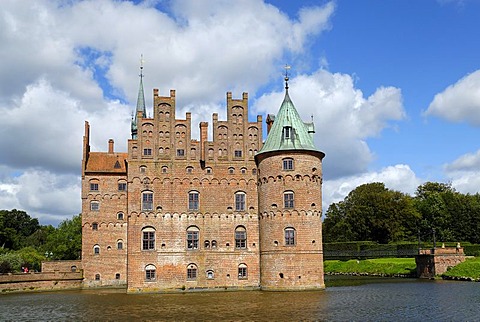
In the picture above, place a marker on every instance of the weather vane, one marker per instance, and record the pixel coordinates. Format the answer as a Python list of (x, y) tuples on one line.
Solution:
[(287, 67)]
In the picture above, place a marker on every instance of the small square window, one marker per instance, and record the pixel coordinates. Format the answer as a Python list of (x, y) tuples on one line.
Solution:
[(238, 153), (122, 186), (94, 226), (120, 216), (94, 187), (231, 170), (288, 164), (147, 151), (180, 152), (94, 206)]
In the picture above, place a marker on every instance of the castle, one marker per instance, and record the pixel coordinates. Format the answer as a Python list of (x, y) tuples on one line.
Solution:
[(175, 213)]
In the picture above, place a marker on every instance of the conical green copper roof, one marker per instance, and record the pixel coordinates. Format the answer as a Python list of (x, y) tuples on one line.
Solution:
[(140, 106), (288, 131)]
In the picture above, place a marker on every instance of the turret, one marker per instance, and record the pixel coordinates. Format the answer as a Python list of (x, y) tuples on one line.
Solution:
[(290, 199)]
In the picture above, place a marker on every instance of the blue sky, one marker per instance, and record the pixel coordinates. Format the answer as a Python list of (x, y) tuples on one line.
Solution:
[(394, 86)]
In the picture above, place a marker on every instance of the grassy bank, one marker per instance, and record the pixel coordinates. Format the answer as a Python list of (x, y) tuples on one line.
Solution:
[(470, 269), (378, 266)]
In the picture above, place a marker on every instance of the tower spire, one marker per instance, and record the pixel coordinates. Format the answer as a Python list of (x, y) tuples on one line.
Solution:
[(287, 67), (140, 103)]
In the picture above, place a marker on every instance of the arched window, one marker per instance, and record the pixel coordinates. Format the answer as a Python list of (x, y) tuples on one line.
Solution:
[(242, 271), (206, 244), (120, 244), (240, 237), (214, 243), (96, 250), (97, 277), (150, 271), (120, 216), (240, 201), (148, 238), (290, 236), (193, 200), (147, 200), (193, 235), (117, 276), (191, 272), (288, 199), (210, 274)]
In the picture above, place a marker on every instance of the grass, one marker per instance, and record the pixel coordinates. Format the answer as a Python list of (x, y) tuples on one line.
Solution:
[(377, 266), (470, 268)]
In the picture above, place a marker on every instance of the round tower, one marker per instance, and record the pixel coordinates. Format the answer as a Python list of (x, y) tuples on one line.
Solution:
[(290, 204)]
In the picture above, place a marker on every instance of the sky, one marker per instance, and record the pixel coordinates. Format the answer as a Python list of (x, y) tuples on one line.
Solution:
[(393, 86)]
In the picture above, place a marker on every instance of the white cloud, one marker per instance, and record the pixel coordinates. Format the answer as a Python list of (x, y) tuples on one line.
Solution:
[(399, 177), (464, 172), (459, 102), (344, 118)]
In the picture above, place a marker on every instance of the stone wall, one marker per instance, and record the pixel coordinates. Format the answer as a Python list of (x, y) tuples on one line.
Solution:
[(50, 281), (432, 262)]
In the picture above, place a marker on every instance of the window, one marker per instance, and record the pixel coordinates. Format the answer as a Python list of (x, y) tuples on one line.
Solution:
[(288, 199), (164, 169), (143, 169), (192, 237), (191, 272), (242, 271), (180, 152), (147, 151), (94, 226), (148, 238), (120, 216), (290, 237), (214, 243), (150, 271), (207, 244), (119, 245), (210, 274), (189, 169), (238, 153), (193, 200), (288, 164), (122, 186), (243, 170), (97, 277), (96, 250), (117, 276), (240, 201), (240, 237), (287, 132), (94, 206), (231, 170), (93, 186), (208, 170), (147, 201)]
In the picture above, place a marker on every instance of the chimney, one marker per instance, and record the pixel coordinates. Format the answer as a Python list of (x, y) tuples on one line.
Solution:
[(269, 121), (110, 146), (203, 139)]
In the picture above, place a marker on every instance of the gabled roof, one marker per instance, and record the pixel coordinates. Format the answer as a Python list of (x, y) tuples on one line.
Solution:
[(300, 138), (106, 162)]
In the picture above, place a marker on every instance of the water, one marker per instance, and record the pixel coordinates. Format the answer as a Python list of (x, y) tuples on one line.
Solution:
[(345, 299)]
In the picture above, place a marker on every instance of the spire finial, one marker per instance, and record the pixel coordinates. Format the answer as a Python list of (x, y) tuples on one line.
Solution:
[(141, 65), (287, 67)]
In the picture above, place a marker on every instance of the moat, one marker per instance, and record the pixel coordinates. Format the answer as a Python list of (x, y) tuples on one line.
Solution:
[(361, 299)]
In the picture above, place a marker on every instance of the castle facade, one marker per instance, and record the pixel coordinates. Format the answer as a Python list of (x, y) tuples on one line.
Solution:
[(175, 213)]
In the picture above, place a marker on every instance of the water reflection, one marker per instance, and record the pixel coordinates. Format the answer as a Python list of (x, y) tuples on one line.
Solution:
[(364, 299)]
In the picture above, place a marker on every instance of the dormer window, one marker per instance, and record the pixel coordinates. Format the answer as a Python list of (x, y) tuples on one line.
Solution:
[(287, 132)]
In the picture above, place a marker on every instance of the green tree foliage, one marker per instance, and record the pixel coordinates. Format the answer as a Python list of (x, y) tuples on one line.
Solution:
[(448, 214), (372, 212), (66, 241), (24, 243), (15, 227)]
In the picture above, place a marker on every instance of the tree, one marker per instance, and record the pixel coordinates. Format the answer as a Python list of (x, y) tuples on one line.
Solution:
[(66, 242), (374, 213), (15, 226)]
